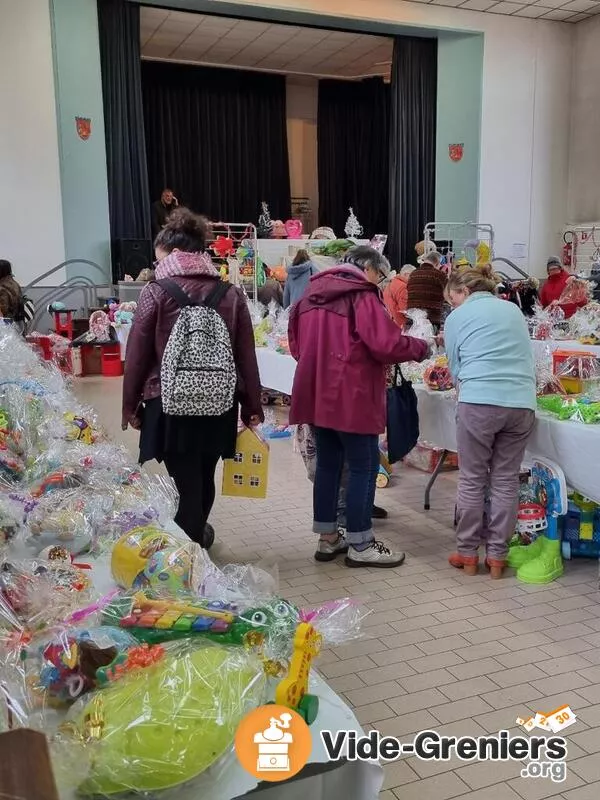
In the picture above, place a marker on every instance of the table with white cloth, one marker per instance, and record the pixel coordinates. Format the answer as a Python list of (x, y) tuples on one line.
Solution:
[(276, 370), (550, 345), (321, 778), (572, 445)]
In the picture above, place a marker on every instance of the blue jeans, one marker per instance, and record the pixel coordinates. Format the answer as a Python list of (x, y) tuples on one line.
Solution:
[(360, 452)]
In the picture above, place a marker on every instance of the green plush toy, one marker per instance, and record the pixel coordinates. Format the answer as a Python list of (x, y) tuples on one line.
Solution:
[(160, 727)]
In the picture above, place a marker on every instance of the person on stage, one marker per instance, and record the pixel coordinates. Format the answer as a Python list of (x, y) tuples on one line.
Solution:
[(162, 209)]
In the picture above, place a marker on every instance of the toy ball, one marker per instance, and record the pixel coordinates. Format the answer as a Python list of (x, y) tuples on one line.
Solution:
[(163, 726), (148, 556), (169, 569)]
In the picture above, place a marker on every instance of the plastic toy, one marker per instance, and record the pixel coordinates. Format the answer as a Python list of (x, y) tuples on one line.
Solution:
[(268, 397), (246, 474), (294, 228), (40, 592), (154, 620), (531, 521), (383, 477), (59, 479), (162, 726), (70, 664), (292, 691), (149, 556), (577, 409), (580, 534), (541, 562)]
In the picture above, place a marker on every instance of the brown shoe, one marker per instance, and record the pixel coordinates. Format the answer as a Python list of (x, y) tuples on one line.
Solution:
[(495, 567), (467, 563)]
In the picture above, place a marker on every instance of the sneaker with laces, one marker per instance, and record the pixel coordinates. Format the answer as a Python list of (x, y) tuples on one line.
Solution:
[(328, 551), (377, 554)]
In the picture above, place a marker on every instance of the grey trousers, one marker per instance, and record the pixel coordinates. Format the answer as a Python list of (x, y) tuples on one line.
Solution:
[(491, 444)]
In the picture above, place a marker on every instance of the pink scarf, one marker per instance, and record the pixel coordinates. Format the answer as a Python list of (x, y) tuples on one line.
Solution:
[(185, 265)]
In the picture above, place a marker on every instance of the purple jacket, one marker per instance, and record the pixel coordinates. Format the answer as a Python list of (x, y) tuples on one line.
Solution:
[(156, 314), (342, 337)]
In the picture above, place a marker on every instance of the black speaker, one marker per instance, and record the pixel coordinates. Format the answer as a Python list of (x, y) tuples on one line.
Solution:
[(130, 257)]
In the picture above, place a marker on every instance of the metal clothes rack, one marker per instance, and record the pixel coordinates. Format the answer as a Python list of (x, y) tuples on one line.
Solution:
[(243, 235), (457, 240)]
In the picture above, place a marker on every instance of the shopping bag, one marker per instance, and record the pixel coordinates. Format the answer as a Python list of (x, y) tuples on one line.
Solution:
[(402, 418), (247, 473)]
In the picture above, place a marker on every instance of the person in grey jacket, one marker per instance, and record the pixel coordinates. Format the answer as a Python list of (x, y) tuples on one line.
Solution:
[(299, 274)]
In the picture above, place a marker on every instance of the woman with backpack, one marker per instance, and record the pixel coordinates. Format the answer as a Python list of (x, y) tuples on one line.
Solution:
[(191, 365)]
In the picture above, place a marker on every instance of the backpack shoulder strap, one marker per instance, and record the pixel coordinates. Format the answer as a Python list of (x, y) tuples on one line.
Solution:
[(176, 292), (217, 294)]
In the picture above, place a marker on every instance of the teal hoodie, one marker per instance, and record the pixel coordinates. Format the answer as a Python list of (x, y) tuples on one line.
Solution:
[(297, 281), (490, 354)]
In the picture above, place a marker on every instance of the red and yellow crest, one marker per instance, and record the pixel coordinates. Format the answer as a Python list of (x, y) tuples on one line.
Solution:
[(455, 151), (84, 127)]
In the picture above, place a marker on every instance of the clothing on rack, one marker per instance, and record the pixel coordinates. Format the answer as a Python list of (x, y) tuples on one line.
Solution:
[(523, 293)]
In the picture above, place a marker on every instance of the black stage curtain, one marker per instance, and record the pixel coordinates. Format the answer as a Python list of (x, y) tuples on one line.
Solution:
[(218, 138), (128, 194), (412, 145), (353, 153)]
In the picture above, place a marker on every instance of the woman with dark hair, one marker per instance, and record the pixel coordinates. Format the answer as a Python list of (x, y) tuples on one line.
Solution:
[(11, 296), (189, 445), (342, 337)]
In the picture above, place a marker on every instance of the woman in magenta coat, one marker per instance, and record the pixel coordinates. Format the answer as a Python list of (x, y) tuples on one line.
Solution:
[(342, 337)]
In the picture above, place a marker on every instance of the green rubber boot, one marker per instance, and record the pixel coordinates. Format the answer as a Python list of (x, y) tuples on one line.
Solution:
[(547, 567), (519, 554)]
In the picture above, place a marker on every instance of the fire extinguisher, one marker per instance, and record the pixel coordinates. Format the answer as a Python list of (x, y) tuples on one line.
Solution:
[(567, 251)]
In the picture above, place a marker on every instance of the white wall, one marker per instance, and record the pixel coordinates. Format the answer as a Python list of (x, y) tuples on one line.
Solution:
[(584, 160), (302, 102), (524, 126), (31, 226)]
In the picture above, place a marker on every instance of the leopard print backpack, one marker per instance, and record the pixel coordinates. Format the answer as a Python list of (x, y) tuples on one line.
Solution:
[(198, 375)]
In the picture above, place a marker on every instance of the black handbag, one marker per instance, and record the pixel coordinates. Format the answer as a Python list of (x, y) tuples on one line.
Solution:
[(402, 418)]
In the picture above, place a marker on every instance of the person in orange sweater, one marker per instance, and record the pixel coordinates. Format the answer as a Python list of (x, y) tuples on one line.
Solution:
[(395, 295)]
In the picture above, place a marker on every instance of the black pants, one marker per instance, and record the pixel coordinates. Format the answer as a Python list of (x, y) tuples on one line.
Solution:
[(194, 476)]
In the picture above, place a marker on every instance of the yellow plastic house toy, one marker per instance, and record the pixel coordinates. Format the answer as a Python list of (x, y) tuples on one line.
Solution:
[(246, 474)]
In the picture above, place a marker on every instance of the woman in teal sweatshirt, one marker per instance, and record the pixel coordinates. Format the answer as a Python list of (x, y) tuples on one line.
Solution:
[(491, 359), (299, 274)]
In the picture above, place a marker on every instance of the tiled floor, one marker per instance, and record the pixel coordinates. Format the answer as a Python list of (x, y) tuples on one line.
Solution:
[(464, 656)]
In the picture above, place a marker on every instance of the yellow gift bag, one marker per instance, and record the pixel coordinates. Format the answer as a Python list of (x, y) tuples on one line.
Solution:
[(247, 473)]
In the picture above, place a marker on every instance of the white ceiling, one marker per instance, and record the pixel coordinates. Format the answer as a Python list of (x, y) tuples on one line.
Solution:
[(203, 39)]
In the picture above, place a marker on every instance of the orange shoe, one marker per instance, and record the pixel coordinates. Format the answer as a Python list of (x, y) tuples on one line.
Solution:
[(495, 567), (467, 563)]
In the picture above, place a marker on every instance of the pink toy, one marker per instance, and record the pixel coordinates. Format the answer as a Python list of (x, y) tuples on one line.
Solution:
[(294, 228)]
